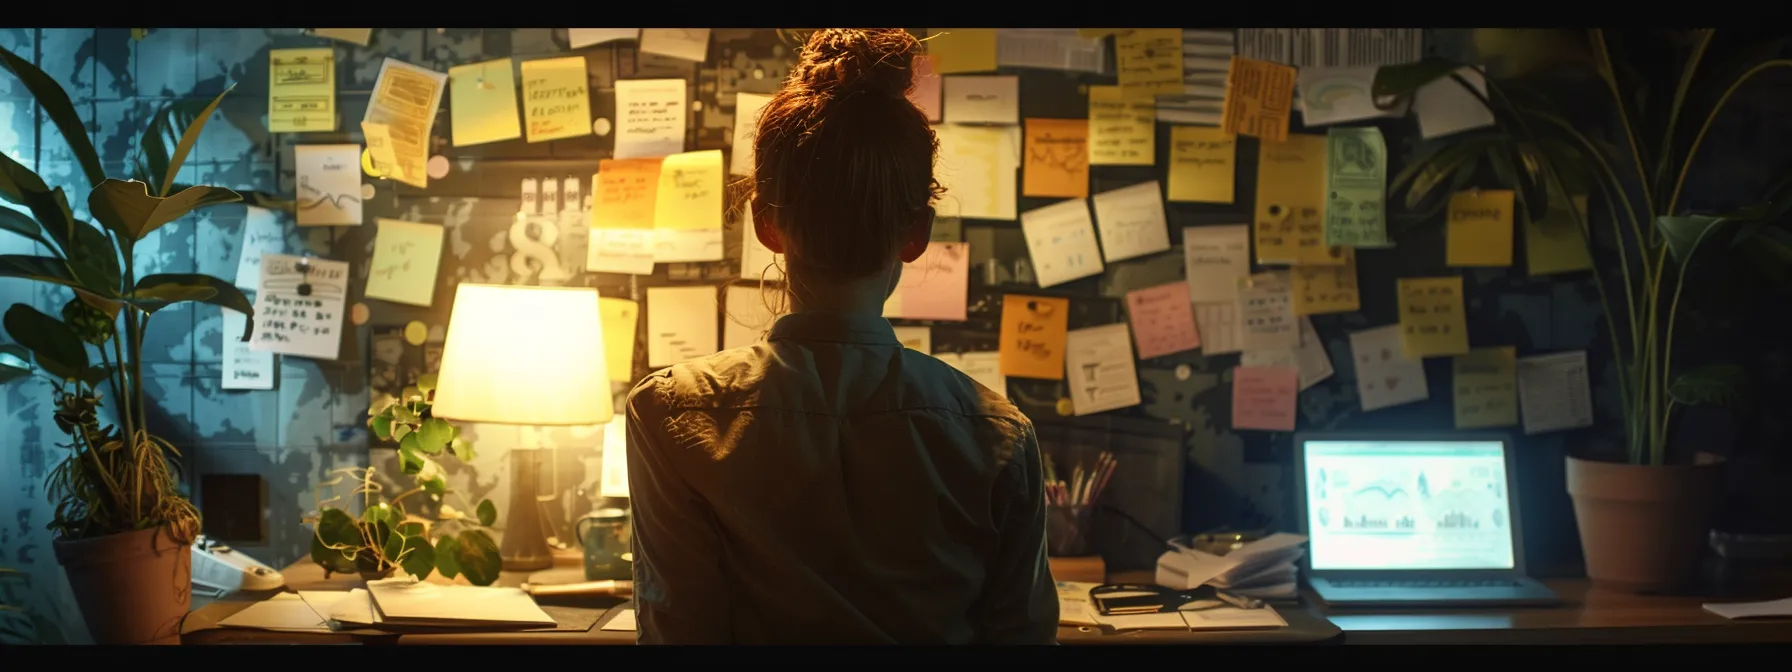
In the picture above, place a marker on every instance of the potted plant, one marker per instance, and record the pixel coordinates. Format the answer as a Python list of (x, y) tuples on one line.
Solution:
[(1643, 520), (388, 536), (121, 523)]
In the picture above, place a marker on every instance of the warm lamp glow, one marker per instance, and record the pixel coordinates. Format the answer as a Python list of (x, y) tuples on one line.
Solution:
[(524, 356)]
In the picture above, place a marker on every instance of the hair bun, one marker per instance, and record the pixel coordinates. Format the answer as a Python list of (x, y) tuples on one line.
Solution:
[(847, 60)]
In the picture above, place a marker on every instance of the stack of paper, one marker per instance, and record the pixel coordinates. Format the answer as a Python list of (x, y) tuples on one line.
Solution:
[(410, 602), (1075, 607), (1264, 569)]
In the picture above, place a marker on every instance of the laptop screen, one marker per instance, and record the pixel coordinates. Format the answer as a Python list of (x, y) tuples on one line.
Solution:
[(1385, 505)]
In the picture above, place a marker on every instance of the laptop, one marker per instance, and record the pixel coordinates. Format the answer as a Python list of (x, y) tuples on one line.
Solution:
[(1412, 520)]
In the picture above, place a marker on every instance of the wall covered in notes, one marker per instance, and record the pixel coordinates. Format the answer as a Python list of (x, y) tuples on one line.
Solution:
[(1124, 271)]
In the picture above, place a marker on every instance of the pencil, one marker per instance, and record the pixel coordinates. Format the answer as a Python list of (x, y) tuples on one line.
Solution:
[(1106, 475)]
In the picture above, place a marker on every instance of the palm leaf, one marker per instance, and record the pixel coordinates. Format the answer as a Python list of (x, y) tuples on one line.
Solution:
[(1716, 384), (61, 111), (55, 347), (187, 140)]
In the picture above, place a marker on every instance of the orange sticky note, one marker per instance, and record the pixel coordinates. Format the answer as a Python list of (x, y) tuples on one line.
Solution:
[(1057, 164), (1163, 320), (1258, 97), (1034, 329), (1432, 323), (1326, 289), (1290, 220), (1480, 228), (1263, 397), (625, 193)]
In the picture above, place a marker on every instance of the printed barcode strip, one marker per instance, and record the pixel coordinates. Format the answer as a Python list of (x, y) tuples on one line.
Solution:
[(1206, 58), (1332, 47)]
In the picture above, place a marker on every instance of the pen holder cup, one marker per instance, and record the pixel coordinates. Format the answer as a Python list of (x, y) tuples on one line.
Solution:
[(1067, 530)]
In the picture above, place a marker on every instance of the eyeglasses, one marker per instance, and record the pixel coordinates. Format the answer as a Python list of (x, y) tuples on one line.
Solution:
[(1118, 599)]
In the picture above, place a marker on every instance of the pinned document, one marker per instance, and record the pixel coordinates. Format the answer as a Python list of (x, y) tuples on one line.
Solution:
[(1266, 312), (1216, 257), (1264, 397), (1356, 188), (1553, 392), (1479, 229), (1202, 165), (1221, 331), (1131, 221), (302, 90), (1057, 158), (404, 101), (1326, 289), (1291, 203), (245, 368), (650, 118), (1033, 333), (1432, 320), (619, 317), (1385, 376), (747, 108), (329, 184), (1061, 242), (1259, 95), (1341, 94), (1310, 358), (1444, 107), (934, 286), (1486, 388), (681, 324), (956, 50), (1163, 320), (557, 100), (976, 167), (1122, 127), (983, 367), (261, 235), (1100, 369), (983, 100), (482, 100), (689, 195), (299, 306), (1150, 60), (406, 256), (685, 44)]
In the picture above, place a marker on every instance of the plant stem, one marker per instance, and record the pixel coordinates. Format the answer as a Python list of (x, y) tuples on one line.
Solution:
[(1686, 77), (1611, 82)]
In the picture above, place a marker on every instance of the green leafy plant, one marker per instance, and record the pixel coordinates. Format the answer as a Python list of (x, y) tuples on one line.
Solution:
[(388, 536), (118, 477), (1665, 108)]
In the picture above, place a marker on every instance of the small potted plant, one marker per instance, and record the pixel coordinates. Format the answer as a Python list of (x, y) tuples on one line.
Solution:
[(390, 534)]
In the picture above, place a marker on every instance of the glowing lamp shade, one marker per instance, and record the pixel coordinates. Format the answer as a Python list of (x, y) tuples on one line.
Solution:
[(524, 356)]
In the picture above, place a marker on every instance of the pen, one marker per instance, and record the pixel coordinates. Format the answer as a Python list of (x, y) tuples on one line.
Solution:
[(1239, 601)]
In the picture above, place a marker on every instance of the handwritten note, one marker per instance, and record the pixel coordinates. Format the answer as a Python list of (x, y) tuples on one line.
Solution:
[(1479, 232), (1385, 376), (1033, 333), (1291, 203), (1216, 257), (579, 38), (1131, 221), (1259, 95), (405, 98), (934, 286), (688, 245), (359, 36), (1266, 311), (1553, 391), (1221, 331), (1356, 187), (406, 256), (328, 181), (620, 317), (482, 102), (261, 235), (983, 367), (1263, 397), (1100, 369), (1150, 60), (301, 90), (1310, 358), (685, 44), (1432, 323), (749, 316), (1057, 161), (689, 195), (926, 91), (747, 108), (245, 368), (1202, 164), (556, 102), (650, 119), (380, 156), (956, 50), (1337, 95), (1061, 242), (681, 324), (977, 167), (1486, 384), (757, 262), (1122, 127), (1162, 320), (983, 100), (1443, 107), (1326, 289), (625, 193), (298, 306), (1554, 243)]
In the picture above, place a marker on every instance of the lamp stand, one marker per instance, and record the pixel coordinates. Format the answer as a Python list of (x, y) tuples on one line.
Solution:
[(524, 546)]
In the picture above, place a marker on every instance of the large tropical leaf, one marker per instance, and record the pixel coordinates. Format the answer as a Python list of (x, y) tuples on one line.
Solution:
[(1716, 384), (1685, 233), (1520, 166), (61, 111), (13, 221), (41, 269), (187, 139), (92, 256), (259, 199), (223, 294), (152, 299), (1401, 81), (15, 362), (1768, 245), (129, 210), (49, 206), (55, 347)]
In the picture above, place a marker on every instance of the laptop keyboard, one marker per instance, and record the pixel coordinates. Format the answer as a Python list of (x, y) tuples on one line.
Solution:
[(1428, 583)]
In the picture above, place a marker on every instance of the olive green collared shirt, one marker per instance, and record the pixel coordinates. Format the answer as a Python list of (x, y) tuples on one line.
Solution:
[(829, 486)]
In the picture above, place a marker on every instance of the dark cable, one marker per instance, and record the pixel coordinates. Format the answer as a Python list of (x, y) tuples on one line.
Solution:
[(1148, 531)]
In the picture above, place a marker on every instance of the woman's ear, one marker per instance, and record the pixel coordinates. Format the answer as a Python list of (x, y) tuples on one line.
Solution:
[(916, 236), (765, 226)]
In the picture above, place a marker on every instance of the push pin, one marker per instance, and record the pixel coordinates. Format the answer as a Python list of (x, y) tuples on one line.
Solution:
[(304, 267)]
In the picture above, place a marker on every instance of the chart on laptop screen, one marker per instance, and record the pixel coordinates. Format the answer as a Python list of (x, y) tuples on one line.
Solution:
[(1407, 505)]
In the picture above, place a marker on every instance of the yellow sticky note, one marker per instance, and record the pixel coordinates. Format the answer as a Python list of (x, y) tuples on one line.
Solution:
[(1057, 159), (1203, 165), (1555, 244), (619, 318), (1480, 228), (1034, 331), (1432, 323), (958, 50), (1258, 97), (1150, 60), (690, 191), (625, 193), (380, 153), (301, 90), (1122, 128), (406, 256), (557, 102), (1485, 384), (1326, 289), (1290, 218), (482, 102)]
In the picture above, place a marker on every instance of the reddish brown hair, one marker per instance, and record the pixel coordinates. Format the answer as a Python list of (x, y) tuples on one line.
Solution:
[(843, 160)]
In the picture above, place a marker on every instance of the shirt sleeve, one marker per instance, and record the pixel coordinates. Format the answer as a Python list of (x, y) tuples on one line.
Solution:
[(1020, 602), (680, 596)]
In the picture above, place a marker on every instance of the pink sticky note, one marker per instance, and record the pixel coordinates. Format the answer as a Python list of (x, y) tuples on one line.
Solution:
[(926, 94), (1263, 397), (935, 286), (1163, 320)]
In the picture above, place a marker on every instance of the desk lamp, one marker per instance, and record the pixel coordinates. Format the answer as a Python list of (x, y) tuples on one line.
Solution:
[(531, 357)]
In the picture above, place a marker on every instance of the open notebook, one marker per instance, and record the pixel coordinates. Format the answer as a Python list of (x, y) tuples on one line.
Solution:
[(1076, 608), (404, 601)]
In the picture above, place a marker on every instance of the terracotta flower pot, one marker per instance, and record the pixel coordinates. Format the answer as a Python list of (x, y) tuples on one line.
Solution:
[(1643, 527), (132, 588)]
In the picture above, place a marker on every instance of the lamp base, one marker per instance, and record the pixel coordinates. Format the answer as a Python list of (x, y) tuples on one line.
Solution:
[(524, 547)]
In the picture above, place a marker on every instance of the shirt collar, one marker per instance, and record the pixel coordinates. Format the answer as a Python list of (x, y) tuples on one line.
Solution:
[(835, 327)]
